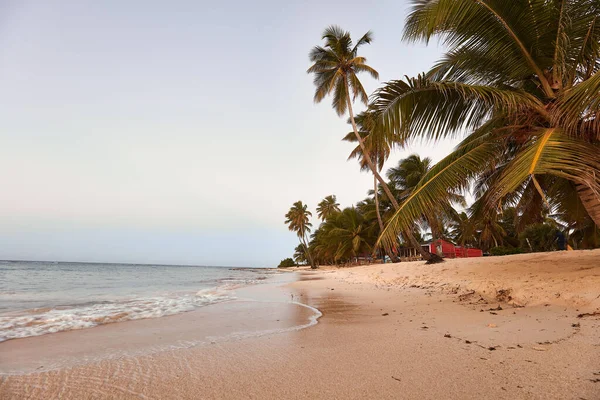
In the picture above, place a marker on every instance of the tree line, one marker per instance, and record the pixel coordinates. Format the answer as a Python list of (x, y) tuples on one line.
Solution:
[(519, 83)]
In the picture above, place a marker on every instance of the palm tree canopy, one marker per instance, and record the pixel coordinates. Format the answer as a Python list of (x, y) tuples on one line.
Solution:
[(336, 64), (377, 144), (328, 207), (409, 172), (522, 77), (297, 219), (347, 234)]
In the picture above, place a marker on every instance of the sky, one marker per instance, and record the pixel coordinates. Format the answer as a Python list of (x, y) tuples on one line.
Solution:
[(177, 132)]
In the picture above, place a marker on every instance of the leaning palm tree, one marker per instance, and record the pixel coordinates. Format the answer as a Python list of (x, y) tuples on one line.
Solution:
[(328, 207), (379, 149), (522, 78), (297, 220), (335, 66)]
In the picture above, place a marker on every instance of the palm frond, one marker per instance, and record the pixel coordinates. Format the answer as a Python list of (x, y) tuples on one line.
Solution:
[(437, 109)]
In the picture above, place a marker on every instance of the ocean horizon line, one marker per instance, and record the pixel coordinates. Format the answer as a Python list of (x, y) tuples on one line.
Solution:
[(145, 264)]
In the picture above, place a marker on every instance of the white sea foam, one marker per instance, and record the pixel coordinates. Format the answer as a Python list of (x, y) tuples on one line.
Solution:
[(41, 321)]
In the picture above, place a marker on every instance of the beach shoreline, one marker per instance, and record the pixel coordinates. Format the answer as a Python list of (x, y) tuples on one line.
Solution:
[(387, 331)]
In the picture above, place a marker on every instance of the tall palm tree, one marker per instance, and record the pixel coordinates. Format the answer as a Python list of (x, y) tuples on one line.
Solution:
[(335, 66), (522, 77), (328, 207), (297, 220), (379, 149)]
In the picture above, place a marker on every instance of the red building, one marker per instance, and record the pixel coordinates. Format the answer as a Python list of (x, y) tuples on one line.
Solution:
[(449, 250)]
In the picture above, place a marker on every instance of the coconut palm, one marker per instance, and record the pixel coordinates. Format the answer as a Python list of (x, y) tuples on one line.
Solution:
[(522, 78), (379, 149), (408, 173), (346, 235), (335, 66), (328, 207), (300, 255), (464, 230), (297, 220)]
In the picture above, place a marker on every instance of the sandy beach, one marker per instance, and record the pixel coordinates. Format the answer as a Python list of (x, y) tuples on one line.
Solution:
[(513, 327)]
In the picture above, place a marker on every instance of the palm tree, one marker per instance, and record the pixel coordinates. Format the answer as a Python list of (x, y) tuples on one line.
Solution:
[(379, 149), (335, 67), (522, 78), (408, 173), (464, 230), (300, 255), (328, 207), (346, 235), (297, 220)]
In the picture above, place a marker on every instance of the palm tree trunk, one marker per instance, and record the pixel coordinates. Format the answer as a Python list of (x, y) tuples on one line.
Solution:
[(426, 255), (388, 251), (591, 202), (379, 220), (310, 259)]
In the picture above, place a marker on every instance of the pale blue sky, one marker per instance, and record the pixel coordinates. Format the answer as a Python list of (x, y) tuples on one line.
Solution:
[(179, 131)]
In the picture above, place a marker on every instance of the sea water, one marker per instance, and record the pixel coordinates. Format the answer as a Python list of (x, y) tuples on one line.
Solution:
[(37, 298)]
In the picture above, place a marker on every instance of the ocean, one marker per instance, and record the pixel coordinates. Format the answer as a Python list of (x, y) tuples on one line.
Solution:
[(38, 298)]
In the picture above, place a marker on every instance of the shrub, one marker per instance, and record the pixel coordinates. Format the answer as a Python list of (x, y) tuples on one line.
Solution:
[(286, 263), (539, 237), (504, 251)]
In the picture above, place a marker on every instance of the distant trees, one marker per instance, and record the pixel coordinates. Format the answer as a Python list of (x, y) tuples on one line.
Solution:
[(351, 233), (297, 220), (286, 263)]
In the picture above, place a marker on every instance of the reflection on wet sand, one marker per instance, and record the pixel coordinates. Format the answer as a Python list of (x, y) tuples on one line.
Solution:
[(336, 306)]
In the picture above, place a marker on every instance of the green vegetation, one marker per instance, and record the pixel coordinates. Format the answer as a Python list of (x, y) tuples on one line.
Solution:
[(519, 83), (286, 263), (539, 237), (297, 220), (505, 251)]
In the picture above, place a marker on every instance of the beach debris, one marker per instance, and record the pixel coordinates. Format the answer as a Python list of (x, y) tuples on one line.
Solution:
[(538, 348), (499, 308), (385, 314), (467, 341), (595, 380), (593, 314), (492, 348), (493, 313), (398, 379), (465, 296), (448, 335), (492, 325), (424, 327), (503, 295)]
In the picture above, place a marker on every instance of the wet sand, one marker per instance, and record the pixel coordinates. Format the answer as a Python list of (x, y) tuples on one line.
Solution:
[(378, 338)]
